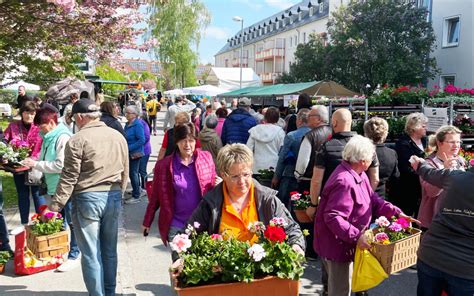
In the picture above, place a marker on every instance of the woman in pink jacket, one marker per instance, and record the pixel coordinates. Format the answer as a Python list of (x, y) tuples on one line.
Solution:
[(446, 144), (25, 133), (180, 181)]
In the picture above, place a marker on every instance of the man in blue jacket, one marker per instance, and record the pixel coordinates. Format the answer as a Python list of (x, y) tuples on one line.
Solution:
[(236, 126)]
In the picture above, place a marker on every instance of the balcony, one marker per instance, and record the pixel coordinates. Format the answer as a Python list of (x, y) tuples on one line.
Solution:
[(269, 77), (268, 54), (236, 62)]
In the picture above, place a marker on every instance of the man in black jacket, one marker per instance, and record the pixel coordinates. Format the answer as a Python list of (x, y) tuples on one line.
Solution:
[(22, 97)]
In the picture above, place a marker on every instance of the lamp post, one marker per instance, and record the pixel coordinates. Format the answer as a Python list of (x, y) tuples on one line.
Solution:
[(241, 20)]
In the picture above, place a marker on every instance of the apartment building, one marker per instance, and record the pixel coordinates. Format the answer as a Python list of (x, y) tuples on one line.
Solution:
[(453, 25), (269, 45), (140, 66)]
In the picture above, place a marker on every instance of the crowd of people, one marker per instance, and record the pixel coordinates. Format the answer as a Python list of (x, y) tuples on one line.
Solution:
[(208, 171)]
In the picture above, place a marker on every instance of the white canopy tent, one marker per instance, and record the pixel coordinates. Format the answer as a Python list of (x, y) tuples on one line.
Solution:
[(174, 92), (14, 86), (229, 78), (204, 90)]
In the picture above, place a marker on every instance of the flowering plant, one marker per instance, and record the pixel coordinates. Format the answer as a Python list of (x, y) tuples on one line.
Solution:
[(300, 201), (53, 223), (14, 152), (222, 258), (267, 174), (468, 156), (388, 232)]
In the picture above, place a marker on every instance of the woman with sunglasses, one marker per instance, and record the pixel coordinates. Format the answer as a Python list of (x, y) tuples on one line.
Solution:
[(180, 181)]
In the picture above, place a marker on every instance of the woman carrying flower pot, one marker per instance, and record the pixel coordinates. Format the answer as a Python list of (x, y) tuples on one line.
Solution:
[(51, 162), (345, 212), (239, 200), (180, 181), (446, 144), (25, 133)]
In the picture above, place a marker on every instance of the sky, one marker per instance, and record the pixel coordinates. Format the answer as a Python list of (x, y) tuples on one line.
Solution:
[(223, 27)]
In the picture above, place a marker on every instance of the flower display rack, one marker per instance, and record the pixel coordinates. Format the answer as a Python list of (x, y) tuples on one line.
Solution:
[(270, 285), (47, 245), (398, 255)]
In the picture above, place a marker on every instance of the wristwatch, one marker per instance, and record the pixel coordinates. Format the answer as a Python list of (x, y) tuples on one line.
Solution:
[(313, 205)]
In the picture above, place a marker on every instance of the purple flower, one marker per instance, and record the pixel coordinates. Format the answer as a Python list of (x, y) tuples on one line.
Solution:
[(395, 227)]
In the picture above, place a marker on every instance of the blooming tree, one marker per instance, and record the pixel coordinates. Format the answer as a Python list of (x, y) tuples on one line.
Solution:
[(43, 38)]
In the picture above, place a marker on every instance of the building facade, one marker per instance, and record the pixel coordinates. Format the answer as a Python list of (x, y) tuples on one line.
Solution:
[(140, 66), (269, 45)]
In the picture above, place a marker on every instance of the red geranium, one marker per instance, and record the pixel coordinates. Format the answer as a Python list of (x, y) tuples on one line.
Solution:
[(275, 234)]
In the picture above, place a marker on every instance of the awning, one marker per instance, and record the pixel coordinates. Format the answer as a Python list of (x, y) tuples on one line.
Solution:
[(113, 82), (240, 92), (272, 90)]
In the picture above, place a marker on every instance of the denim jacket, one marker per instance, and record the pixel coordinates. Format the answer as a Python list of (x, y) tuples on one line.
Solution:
[(289, 152)]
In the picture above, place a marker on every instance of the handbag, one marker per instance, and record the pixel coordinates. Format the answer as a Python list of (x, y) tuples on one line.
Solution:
[(136, 155), (33, 177)]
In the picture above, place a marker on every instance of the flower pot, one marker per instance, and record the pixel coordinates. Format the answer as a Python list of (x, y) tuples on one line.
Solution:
[(265, 182), (270, 285), (302, 217), (47, 245), (2, 268), (398, 255)]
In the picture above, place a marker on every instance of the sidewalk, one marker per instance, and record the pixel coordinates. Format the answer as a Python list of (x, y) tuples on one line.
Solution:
[(143, 263)]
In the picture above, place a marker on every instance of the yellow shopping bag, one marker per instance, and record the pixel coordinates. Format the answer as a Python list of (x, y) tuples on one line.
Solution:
[(367, 273)]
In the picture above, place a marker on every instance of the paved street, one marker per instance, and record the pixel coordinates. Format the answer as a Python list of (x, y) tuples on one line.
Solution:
[(143, 263)]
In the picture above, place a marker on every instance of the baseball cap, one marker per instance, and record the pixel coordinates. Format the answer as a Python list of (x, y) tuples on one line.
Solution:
[(84, 106), (244, 101)]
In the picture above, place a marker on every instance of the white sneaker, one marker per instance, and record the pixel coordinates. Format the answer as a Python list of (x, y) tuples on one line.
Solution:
[(143, 193), (132, 201), (69, 265)]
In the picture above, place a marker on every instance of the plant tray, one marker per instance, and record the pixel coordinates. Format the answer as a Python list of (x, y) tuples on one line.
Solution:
[(47, 245), (398, 255), (270, 285), (301, 216)]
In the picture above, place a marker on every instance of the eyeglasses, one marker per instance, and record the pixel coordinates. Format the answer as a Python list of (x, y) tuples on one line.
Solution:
[(311, 115), (453, 142), (236, 178)]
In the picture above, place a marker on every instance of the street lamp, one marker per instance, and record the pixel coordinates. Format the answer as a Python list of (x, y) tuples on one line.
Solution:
[(241, 20)]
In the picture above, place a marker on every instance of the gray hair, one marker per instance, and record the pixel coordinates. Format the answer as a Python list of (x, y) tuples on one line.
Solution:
[(358, 148), (91, 115), (211, 121), (131, 109), (231, 154), (415, 121), (322, 112), (303, 115)]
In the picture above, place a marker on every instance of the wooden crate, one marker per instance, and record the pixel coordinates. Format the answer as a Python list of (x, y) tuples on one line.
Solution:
[(398, 255), (47, 245)]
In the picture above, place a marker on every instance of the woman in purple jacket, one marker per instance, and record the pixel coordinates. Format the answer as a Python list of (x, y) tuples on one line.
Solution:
[(345, 212)]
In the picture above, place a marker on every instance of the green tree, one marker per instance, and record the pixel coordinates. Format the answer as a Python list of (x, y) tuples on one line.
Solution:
[(178, 25), (372, 42), (106, 72)]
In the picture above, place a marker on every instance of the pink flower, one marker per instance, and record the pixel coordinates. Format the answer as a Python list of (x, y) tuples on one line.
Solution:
[(59, 216), (196, 225), (216, 236), (278, 221), (404, 223), (395, 227), (49, 215), (382, 221), (381, 236), (295, 196), (180, 243), (471, 162)]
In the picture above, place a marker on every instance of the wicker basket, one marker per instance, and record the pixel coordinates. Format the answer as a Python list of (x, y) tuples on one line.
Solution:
[(47, 245), (398, 255)]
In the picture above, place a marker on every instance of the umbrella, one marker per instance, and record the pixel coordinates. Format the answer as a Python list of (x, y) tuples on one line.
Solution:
[(60, 91), (132, 91), (330, 88)]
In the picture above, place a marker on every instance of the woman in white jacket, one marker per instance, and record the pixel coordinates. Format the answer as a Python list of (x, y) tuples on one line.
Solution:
[(265, 141)]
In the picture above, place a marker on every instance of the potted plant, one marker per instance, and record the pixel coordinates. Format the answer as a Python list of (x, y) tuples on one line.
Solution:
[(300, 202), (220, 265), (265, 176), (12, 154), (4, 257), (47, 238), (395, 243)]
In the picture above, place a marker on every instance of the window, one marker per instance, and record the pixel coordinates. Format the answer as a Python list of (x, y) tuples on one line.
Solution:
[(296, 40), (304, 37), (446, 80), (451, 32), (291, 41)]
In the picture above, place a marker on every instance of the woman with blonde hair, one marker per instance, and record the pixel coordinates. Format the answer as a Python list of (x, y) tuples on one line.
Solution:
[(413, 142), (446, 144)]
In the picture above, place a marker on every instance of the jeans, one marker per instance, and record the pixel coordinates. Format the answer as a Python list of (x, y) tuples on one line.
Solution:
[(134, 166), (287, 185), (24, 197), (73, 248), (4, 241), (152, 119), (142, 169), (95, 217), (432, 281)]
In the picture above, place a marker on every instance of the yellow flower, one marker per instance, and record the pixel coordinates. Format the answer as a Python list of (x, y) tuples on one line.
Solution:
[(305, 232)]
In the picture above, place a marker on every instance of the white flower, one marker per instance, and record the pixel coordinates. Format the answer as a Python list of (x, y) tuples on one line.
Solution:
[(278, 221), (382, 221), (180, 243), (256, 252), (196, 225)]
